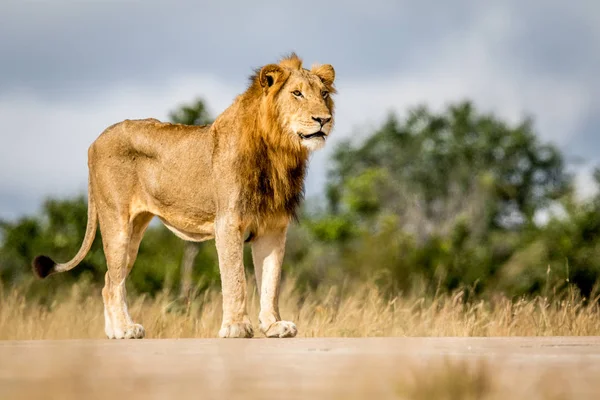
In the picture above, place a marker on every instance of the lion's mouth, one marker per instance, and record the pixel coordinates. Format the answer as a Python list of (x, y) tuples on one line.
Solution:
[(319, 134)]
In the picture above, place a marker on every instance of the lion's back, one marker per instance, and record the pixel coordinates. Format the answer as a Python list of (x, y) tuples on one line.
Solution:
[(146, 138)]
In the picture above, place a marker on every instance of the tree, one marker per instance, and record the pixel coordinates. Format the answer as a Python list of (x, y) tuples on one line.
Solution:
[(195, 113), (438, 166)]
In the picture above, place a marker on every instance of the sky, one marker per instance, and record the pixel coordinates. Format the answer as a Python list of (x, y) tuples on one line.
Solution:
[(69, 69)]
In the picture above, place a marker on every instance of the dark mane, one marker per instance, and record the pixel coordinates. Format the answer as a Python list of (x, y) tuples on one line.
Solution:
[(271, 166)]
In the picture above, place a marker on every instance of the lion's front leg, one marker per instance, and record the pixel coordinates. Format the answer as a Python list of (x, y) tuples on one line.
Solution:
[(267, 254), (228, 238)]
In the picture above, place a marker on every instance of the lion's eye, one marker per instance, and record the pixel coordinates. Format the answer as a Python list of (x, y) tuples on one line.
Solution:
[(297, 93), (324, 93)]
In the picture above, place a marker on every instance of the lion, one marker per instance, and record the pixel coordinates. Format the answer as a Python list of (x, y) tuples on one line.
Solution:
[(239, 179)]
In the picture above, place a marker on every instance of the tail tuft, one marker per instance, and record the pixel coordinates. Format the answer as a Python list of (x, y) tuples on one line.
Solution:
[(43, 266)]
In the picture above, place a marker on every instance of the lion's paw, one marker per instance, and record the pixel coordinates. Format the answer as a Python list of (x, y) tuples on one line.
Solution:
[(133, 331), (237, 330), (281, 329)]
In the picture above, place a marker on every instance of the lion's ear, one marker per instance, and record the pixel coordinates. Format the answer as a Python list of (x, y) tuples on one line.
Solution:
[(269, 74), (325, 72)]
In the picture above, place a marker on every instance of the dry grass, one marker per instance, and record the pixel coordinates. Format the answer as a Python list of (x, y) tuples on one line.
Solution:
[(357, 311)]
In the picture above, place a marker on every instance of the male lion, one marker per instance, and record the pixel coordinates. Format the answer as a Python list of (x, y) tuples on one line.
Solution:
[(240, 178)]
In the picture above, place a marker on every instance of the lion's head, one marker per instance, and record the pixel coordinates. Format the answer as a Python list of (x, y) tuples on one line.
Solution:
[(299, 99)]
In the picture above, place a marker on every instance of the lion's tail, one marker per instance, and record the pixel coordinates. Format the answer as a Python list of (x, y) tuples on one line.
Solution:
[(44, 265)]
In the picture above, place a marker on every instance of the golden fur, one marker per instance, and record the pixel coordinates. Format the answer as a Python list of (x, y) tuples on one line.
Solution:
[(241, 177)]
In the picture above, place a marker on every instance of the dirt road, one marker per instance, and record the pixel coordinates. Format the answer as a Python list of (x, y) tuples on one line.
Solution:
[(328, 368)]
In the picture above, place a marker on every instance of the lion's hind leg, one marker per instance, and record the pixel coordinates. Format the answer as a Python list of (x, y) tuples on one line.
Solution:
[(121, 243)]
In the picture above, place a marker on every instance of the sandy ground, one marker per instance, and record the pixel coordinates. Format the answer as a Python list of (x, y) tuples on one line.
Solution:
[(328, 368)]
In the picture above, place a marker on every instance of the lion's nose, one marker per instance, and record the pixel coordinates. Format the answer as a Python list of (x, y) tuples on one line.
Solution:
[(322, 120)]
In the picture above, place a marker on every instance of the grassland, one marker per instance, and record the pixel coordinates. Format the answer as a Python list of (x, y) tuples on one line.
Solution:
[(356, 310)]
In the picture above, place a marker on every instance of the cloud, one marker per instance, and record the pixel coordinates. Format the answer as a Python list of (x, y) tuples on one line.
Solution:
[(469, 64), (57, 46), (77, 67)]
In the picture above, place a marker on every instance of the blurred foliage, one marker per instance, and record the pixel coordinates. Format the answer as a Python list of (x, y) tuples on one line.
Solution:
[(425, 204), (444, 163), (195, 113)]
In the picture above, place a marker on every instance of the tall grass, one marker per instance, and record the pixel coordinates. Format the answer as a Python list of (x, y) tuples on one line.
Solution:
[(355, 310)]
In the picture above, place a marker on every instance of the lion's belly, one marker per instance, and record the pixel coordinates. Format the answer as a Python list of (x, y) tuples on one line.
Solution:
[(199, 233), (191, 220), (191, 216)]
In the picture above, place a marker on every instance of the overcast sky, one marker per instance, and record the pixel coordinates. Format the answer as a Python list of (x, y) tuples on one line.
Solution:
[(69, 69)]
